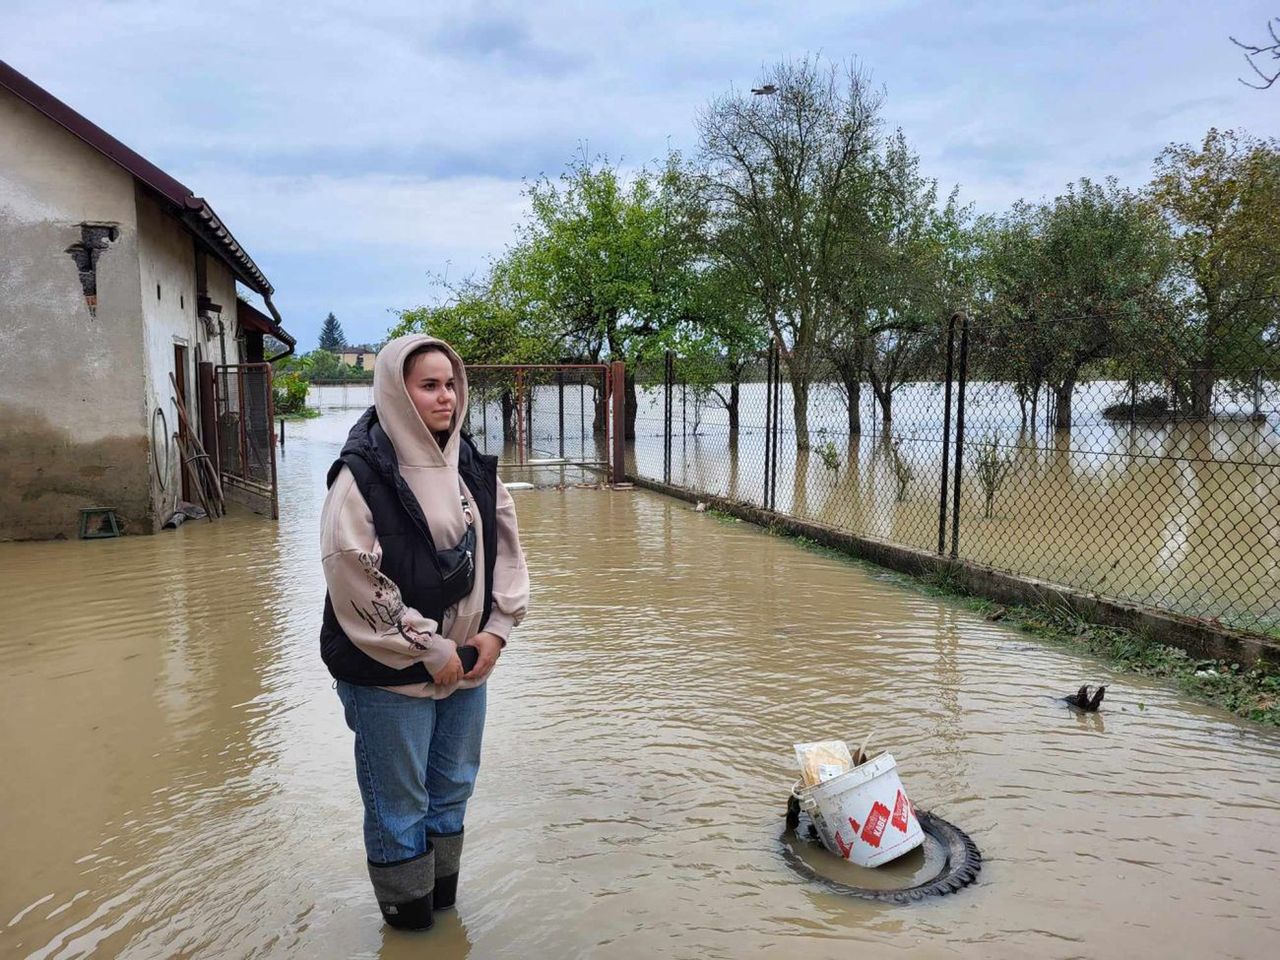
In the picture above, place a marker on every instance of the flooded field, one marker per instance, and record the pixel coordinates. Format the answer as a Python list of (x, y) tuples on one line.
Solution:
[(178, 778)]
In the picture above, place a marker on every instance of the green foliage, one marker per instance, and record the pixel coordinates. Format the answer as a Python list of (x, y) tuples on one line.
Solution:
[(289, 392), (829, 455), (331, 335), (1222, 202), (1070, 283), (321, 365), (992, 467)]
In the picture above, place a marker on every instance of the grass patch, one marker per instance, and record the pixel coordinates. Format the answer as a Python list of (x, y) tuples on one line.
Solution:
[(306, 413)]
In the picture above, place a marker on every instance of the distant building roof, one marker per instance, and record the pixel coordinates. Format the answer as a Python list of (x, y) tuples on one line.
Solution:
[(194, 211)]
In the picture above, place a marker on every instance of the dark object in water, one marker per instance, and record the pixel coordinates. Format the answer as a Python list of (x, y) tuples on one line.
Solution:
[(1081, 700)]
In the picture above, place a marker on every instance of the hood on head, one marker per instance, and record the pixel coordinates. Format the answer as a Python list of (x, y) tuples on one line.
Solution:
[(415, 444)]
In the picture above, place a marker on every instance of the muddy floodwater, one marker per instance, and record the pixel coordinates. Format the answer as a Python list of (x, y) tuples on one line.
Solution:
[(177, 779)]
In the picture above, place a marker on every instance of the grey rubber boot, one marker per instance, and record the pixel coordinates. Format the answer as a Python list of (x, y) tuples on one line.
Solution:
[(448, 847), (404, 890)]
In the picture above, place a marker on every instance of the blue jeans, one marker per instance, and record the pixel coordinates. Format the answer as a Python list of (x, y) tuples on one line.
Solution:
[(416, 761)]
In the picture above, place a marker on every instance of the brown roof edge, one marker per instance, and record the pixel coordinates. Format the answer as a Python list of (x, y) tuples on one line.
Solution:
[(194, 211), (254, 319)]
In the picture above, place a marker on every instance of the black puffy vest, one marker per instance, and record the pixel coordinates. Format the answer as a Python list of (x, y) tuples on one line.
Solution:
[(408, 552)]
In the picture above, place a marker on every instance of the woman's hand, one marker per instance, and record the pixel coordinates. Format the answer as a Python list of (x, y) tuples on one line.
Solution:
[(450, 673), (490, 647)]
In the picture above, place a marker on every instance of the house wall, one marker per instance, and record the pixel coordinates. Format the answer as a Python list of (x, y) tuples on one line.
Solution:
[(167, 276), (222, 290), (73, 427)]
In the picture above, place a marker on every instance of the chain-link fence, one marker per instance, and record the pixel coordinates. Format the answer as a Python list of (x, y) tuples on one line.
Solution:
[(1147, 472)]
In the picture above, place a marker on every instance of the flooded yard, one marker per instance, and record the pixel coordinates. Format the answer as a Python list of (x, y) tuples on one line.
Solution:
[(178, 777)]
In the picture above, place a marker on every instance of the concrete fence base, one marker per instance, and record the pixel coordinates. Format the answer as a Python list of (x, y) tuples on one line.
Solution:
[(1199, 638)]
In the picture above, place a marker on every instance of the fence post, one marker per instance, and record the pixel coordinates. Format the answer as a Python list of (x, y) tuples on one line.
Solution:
[(768, 420), (668, 387), (528, 412), (519, 416), (619, 472), (774, 417), (560, 386), (964, 373), (946, 435)]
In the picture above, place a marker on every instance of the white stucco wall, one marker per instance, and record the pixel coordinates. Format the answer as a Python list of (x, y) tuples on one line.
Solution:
[(167, 277), (222, 289), (72, 428)]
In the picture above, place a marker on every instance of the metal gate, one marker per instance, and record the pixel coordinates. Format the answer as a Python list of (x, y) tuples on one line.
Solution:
[(246, 436), (548, 416)]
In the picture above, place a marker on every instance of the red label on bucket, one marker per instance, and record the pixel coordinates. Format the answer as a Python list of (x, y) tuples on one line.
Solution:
[(845, 848), (901, 808), (877, 820)]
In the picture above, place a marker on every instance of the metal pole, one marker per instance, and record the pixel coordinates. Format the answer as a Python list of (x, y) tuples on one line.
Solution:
[(964, 373), (519, 416), (560, 387), (668, 375), (528, 412), (946, 435), (282, 433), (768, 416), (777, 423), (619, 421)]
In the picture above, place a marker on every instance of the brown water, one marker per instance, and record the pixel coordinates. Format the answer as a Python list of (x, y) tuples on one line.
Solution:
[(178, 778)]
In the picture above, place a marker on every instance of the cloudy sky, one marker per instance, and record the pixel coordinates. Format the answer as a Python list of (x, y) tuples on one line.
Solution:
[(359, 150)]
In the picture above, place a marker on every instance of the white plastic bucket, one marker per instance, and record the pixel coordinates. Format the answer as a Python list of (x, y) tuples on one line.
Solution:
[(864, 815)]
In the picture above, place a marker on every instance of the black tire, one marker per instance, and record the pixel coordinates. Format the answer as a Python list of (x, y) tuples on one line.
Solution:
[(963, 863)]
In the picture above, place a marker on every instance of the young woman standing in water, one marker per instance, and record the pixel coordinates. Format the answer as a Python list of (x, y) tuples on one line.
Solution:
[(424, 569)]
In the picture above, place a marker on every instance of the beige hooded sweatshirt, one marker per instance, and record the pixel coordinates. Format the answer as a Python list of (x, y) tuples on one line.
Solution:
[(352, 556)]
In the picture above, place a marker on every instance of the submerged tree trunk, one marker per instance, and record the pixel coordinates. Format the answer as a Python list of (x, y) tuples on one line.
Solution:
[(853, 398), (1063, 393), (734, 404), (1202, 381), (800, 399), (508, 416), (600, 407)]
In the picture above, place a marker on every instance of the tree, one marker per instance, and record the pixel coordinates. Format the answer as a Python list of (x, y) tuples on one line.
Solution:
[(1223, 203), (720, 332), (331, 335), (604, 261), (1073, 283), (919, 273), (780, 170), (1016, 339)]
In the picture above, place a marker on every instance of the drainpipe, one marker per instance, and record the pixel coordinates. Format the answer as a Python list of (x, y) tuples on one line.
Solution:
[(289, 342)]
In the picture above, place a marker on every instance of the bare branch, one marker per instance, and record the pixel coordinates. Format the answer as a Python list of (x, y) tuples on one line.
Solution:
[(1251, 51)]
